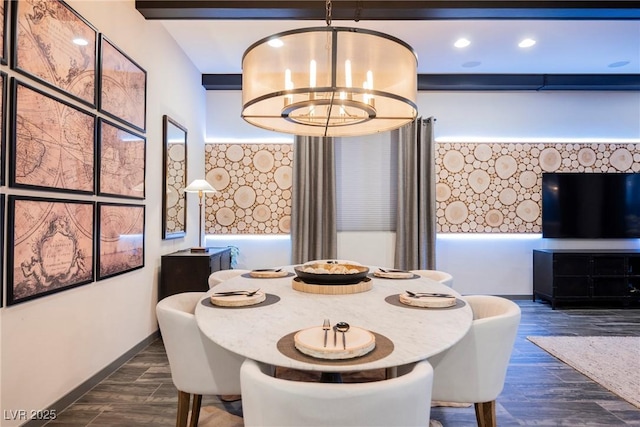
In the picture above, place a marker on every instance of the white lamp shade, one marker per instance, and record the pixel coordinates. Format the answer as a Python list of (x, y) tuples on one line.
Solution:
[(329, 81), (198, 185)]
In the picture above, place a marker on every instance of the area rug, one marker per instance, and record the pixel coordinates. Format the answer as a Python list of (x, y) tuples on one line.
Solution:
[(612, 362), (210, 416)]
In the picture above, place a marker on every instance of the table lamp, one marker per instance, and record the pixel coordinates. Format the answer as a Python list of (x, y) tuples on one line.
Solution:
[(199, 186)]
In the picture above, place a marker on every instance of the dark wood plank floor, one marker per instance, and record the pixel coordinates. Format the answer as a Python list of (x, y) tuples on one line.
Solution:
[(539, 390)]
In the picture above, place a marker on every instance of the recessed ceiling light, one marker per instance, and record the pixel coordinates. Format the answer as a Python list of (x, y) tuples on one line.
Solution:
[(471, 64), (460, 43), (527, 43), (80, 41), (275, 43), (618, 64)]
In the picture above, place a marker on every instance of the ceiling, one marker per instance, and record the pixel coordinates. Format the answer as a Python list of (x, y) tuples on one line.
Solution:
[(582, 43)]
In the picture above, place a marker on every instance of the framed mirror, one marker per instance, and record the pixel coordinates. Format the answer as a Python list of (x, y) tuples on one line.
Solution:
[(174, 206)]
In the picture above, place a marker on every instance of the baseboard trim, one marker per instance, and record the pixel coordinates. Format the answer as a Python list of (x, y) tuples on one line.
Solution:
[(518, 297), (65, 401)]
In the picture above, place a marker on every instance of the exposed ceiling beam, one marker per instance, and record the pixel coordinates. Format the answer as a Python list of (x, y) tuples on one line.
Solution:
[(474, 82), (388, 10)]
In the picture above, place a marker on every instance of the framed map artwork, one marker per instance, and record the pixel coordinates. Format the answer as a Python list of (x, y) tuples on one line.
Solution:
[(121, 243), (123, 86), (121, 162), (3, 125), (4, 11), (56, 46), (53, 143), (1, 246), (50, 246)]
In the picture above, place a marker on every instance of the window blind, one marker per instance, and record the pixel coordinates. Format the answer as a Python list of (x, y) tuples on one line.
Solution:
[(366, 183)]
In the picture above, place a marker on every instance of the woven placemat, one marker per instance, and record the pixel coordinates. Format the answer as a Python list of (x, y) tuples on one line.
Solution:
[(395, 300), (383, 348), (269, 299)]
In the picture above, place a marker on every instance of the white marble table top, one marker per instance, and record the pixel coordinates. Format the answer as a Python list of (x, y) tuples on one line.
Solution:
[(254, 332)]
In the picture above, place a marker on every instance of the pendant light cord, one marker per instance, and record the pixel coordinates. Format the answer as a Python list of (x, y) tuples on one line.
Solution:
[(328, 9)]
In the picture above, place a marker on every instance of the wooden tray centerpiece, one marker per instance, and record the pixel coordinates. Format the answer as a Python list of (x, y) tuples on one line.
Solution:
[(330, 278)]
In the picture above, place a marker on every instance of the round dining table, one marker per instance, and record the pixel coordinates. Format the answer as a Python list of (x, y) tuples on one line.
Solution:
[(410, 334)]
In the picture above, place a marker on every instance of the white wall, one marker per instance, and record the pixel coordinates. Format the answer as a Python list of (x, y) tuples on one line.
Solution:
[(53, 344), (485, 264)]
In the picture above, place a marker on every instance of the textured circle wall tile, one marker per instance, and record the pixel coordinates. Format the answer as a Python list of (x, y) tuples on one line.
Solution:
[(456, 212), (234, 153), (506, 166), (244, 196), (283, 176), (254, 182), (550, 159), (453, 161), (621, 159), (511, 202), (218, 178), (225, 216), (443, 192), (482, 152), (479, 180), (528, 179), (263, 161)]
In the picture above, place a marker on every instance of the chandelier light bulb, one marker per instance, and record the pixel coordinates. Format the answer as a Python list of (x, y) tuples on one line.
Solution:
[(312, 73)]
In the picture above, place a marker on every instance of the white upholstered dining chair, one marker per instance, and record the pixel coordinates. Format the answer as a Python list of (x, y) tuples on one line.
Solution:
[(401, 401), (440, 276), (474, 369), (221, 275), (198, 365)]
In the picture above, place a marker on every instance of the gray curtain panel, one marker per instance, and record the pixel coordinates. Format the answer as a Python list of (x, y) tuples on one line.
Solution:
[(416, 215), (313, 205)]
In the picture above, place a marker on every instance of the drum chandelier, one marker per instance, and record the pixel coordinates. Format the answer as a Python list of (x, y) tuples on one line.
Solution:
[(329, 81)]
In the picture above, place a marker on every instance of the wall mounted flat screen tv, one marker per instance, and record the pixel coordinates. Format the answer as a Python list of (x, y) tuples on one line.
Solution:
[(591, 205)]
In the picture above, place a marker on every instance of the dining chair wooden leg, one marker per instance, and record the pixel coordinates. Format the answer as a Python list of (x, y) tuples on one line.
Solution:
[(195, 410), (183, 408), (391, 372), (486, 414)]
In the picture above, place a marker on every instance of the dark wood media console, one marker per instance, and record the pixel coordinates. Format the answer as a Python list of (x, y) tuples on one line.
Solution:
[(587, 277)]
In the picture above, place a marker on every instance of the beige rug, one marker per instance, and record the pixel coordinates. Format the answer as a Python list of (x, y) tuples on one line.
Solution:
[(613, 362), (210, 416)]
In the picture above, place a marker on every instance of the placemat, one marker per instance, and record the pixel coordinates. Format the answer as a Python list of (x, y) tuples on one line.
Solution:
[(269, 299), (373, 276), (249, 276), (384, 347), (395, 300)]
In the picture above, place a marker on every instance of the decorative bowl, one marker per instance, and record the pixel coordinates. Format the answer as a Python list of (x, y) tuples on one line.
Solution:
[(331, 274)]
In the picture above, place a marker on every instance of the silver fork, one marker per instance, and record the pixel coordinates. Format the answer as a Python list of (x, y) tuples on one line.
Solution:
[(326, 326)]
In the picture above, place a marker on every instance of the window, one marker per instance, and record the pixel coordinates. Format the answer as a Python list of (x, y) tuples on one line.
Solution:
[(366, 182)]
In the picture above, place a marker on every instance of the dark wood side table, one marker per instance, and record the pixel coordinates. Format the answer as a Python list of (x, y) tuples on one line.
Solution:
[(184, 271)]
